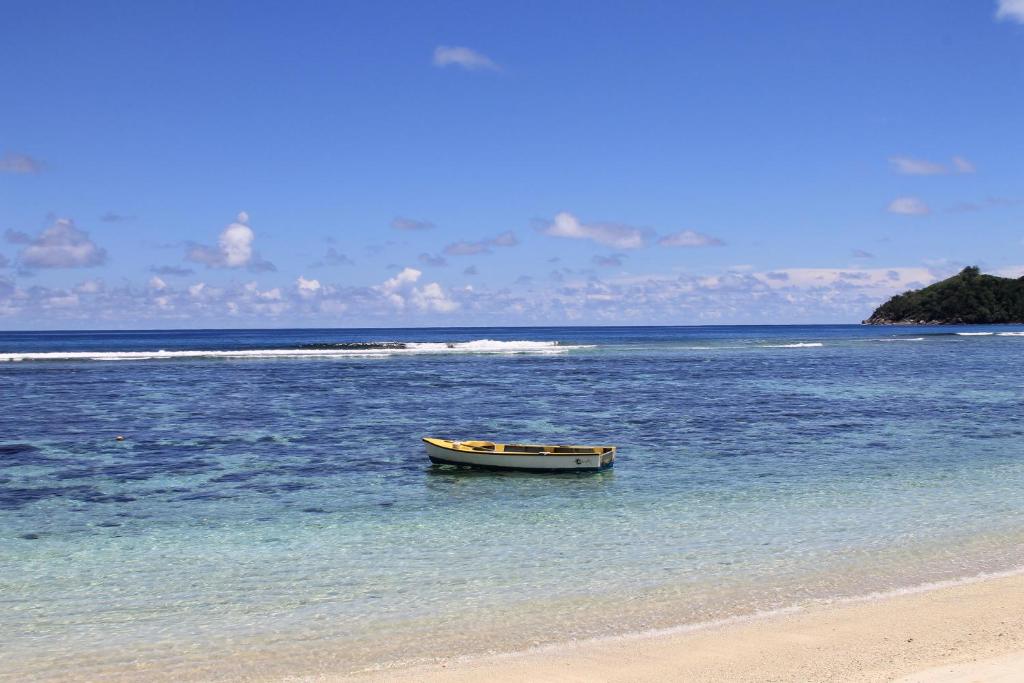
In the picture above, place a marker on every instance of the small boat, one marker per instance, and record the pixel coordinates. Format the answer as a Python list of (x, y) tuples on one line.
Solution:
[(514, 456)]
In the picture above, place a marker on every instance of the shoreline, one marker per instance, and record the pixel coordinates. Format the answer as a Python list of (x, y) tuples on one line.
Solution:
[(952, 631)]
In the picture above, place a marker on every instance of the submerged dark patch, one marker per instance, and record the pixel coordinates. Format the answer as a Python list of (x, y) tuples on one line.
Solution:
[(24, 454), (15, 448), (13, 498), (234, 476)]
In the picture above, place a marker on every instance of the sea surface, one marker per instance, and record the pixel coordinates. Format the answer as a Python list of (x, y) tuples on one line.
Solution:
[(271, 510)]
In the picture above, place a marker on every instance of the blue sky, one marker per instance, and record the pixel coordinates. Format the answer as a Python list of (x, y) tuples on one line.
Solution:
[(216, 164)]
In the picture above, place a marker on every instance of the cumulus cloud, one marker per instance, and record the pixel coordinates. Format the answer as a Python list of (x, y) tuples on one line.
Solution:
[(20, 164), (463, 248), (1010, 10), (464, 57), (402, 223), (62, 245), (431, 297), (615, 235), (306, 287), (236, 242), (909, 206), (234, 248), (729, 296), (401, 290), (689, 238), (157, 283)]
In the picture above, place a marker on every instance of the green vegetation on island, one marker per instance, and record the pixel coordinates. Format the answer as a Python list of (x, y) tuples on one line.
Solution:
[(966, 298)]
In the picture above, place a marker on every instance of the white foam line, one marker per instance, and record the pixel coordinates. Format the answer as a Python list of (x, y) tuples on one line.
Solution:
[(798, 345), (1010, 334), (483, 346), (974, 334), (680, 629)]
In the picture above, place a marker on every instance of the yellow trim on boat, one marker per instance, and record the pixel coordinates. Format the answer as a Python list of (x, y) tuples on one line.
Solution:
[(517, 448)]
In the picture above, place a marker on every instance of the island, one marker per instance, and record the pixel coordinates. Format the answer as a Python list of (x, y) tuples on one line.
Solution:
[(967, 298)]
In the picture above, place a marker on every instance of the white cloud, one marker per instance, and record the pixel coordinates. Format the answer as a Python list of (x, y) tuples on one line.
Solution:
[(910, 206), (431, 297), (1010, 10), (614, 235), (689, 238), (89, 287), (236, 242), (62, 245), (307, 287), (157, 283), (234, 248), (20, 163), (963, 165), (273, 294), (463, 57), (732, 295), (910, 166), (1009, 271), (405, 277), (878, 278), (401, 289)]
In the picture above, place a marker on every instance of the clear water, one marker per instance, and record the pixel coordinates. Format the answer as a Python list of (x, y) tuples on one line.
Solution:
[(271, 512)]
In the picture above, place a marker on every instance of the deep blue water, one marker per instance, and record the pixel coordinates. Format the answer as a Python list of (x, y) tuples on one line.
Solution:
[(273, 496)]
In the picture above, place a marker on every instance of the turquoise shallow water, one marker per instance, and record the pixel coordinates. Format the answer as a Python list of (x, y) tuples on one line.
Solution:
[(272, 506)]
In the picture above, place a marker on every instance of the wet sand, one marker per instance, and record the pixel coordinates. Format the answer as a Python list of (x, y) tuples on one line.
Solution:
[(971, 631)]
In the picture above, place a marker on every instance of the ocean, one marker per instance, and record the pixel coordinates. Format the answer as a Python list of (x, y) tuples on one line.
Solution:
[(271, 510)]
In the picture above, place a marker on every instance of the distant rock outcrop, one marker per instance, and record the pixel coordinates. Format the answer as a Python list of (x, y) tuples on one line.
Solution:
[(966, 298)]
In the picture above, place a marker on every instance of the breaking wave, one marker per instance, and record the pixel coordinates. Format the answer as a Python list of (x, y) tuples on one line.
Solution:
[(325, 350), (798, 345), (974, 334)]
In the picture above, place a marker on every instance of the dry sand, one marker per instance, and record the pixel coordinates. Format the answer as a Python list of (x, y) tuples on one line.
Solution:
[(967, 632)]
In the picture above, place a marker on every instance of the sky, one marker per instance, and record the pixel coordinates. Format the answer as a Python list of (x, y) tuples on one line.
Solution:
[(367, 164)]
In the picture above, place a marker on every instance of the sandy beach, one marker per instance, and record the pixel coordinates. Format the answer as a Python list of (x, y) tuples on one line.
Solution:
[(972, 631)]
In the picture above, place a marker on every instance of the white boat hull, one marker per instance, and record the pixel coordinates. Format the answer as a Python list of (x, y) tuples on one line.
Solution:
[(574, 462)]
